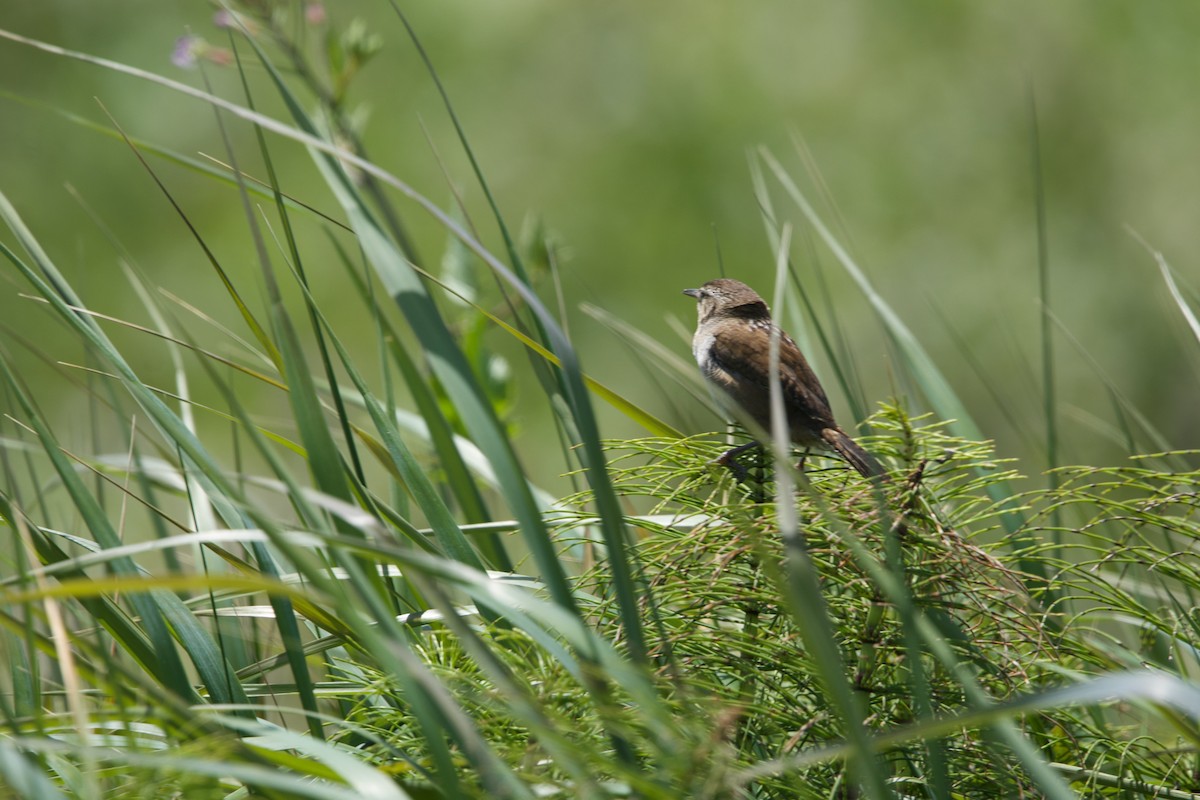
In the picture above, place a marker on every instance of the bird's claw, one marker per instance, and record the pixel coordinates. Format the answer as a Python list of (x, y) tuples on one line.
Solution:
[(728, 459), (730, 462)]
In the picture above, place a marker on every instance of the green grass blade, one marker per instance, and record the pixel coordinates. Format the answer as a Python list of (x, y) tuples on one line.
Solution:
[(445, 357), (440, 434), (799, 581), (839, 361), (211, 168), (937, 390), (445, 529), (166, 661), (24, 776), (1181, 302), (935, 386)]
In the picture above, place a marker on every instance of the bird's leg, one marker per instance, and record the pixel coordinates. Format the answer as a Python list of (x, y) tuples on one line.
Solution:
[(728, 459)]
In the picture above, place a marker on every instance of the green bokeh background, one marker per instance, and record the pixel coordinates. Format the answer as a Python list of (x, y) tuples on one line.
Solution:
[(626, 126)]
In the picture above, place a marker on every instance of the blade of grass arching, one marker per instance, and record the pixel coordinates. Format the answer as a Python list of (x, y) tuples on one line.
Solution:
[(297, 265), (799, 580), (247, 316), (199, 506), (575, 416), (937, 390), (1180, 302), (210, 168), (61, 296), (25, 775), (634, 412), (308, 136), (334, 110), (489, 437), (324, 459), (441, 436), (551, 383), (1150, 689), (450, 364), (285, 616), (454, 372), (103, 610), (166, 664), (447, 360), (455, 545), (839, 362)]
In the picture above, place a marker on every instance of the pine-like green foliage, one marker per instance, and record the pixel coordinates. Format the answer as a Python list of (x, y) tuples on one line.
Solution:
[(748, 702)]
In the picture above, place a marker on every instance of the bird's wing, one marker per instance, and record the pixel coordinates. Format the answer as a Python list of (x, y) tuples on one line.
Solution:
[(748, 357)]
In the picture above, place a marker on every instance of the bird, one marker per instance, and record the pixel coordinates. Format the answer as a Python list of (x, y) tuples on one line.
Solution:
[(732, 345)]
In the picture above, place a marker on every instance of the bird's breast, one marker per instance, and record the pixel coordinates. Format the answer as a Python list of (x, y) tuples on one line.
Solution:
[(706, 350), (702, 345)]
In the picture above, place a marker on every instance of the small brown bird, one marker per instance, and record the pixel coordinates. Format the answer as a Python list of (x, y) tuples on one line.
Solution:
[(732, 345)]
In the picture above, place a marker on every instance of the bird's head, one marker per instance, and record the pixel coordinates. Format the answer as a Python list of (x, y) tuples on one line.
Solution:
[(725, 297)]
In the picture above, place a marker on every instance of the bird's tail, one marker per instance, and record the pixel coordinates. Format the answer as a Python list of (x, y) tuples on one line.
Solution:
[(849, 449)]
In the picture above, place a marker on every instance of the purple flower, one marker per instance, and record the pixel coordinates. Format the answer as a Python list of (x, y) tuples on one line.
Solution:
[(223, 19), (314, 13), (183, 55)]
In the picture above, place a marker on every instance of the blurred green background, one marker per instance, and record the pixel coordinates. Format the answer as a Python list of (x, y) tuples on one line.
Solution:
[(626, 126)]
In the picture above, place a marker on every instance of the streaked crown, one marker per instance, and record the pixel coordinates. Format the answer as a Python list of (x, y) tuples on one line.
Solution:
[(725, 297)]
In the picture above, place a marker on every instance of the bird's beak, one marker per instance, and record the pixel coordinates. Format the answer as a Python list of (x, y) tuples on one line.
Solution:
[(692, 293)]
